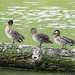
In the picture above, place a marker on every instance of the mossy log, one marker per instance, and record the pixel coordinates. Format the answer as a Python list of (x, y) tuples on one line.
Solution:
[(35, 58)]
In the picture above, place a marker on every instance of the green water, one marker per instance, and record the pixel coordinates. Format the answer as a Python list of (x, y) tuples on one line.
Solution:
[(7, 71), (45, 15)]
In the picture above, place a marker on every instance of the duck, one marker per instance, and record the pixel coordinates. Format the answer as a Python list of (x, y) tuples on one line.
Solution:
[(13, 34), (62, 40), (40, 37)]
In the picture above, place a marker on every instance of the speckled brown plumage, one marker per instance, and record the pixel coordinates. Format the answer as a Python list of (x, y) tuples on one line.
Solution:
[(40, 37)]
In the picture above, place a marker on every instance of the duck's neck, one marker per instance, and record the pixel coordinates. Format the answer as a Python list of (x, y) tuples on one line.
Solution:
[(9, 25), (33, 34), (54, 36)]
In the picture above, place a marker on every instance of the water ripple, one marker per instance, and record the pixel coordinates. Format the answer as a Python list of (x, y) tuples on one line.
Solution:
[(11, 9), (51, 7), (19, 28), (17, 7), (30, 2), (54, 16)]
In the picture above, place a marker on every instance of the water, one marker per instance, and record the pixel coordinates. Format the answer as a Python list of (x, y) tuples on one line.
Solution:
[(31, 12), (6, 71), (46, 16)]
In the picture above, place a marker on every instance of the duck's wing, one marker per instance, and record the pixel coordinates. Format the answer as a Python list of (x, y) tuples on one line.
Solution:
[(16, 35), (44, 38), (68, 40)]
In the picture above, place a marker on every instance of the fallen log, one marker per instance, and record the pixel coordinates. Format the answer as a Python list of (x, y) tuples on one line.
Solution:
[(32, 57)]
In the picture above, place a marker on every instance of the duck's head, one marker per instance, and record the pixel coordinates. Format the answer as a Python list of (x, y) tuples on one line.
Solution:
[(56, 32), (33, 31), (10, 22)]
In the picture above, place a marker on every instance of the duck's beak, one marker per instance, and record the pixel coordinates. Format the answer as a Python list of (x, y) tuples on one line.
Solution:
[(52, 34)]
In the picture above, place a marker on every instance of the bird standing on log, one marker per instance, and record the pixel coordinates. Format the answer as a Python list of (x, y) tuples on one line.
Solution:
[(13, 34), (62, 40), (40, 37)]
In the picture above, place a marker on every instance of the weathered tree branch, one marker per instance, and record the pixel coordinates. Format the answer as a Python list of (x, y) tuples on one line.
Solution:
[(32, 57)]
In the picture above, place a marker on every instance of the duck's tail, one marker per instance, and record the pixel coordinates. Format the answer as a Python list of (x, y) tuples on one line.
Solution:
[(72, 43), (50, 42), (21, 38)]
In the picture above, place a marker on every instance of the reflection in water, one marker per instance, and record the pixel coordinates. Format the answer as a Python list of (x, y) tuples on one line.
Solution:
[(17, 7), (14, 71), (19, 28), (11, 9), (33, 3)]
